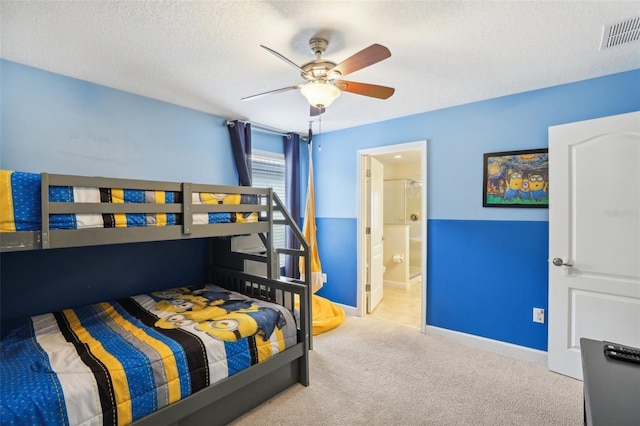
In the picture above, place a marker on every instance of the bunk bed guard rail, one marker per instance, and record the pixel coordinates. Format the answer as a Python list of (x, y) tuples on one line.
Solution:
[(51, 238)]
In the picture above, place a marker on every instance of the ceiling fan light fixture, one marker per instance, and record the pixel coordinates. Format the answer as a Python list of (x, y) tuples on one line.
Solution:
[(320, 94)]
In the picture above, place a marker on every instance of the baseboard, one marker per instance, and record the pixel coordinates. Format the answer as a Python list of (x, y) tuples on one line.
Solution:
[(505, 348), (398, 284), (351, 311)]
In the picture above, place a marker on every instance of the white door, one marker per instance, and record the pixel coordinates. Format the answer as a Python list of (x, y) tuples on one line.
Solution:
[(594, 236), (374, 223)]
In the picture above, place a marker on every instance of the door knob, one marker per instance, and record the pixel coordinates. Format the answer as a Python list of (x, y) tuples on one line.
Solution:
[(559, 262)]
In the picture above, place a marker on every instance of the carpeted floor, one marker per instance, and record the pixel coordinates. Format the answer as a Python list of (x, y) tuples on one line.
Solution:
[(374, 372)]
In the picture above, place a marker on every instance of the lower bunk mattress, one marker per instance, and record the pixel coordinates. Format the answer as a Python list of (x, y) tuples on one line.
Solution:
[(118, 361)]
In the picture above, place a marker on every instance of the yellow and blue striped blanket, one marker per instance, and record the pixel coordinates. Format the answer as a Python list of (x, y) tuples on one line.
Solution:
[(115, 362), (20, 206)]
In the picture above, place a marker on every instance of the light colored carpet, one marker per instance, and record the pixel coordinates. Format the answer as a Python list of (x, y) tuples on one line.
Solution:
[(374, 372)]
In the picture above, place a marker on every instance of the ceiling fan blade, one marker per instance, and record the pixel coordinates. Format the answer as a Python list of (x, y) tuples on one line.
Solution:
[(272, 92), (368, 56), (364, 89), (315, 111), (293, 64)]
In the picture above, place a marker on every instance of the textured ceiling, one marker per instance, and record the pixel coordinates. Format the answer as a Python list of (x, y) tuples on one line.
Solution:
[(206, 55)]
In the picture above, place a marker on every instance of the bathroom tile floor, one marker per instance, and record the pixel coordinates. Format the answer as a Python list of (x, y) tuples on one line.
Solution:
[(401, 305)]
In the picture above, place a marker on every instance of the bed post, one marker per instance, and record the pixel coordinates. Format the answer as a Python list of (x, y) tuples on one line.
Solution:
[(273, 264), (187, 213), (44, 203)]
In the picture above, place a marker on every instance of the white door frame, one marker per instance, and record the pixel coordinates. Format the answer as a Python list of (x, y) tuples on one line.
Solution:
[(361, 305)]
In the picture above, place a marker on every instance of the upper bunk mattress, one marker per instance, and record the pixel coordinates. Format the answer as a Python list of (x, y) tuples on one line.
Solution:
[(118, 361), (20, 205)]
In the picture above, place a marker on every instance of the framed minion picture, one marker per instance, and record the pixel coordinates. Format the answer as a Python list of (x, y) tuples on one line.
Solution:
[(516, 179)]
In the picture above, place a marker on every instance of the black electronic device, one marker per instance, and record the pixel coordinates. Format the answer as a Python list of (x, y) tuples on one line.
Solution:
[(622, 353)]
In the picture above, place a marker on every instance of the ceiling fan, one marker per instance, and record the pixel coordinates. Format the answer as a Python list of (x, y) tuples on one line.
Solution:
[(323, 77)]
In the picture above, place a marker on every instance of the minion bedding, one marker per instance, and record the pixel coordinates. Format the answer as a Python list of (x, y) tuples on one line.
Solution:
[(20, 206), (115, 362)]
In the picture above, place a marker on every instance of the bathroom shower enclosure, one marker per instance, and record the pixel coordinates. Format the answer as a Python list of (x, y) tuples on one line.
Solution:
[(402, 208)]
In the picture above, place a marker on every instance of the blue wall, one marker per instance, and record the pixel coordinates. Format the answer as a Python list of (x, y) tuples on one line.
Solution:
[(501, 269), (63, 125), (487, 267)]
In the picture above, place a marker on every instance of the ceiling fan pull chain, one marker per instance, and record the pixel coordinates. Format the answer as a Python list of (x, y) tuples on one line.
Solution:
[(320, 133)]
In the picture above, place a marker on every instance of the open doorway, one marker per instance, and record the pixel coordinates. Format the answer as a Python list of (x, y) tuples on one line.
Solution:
[(404, 225)]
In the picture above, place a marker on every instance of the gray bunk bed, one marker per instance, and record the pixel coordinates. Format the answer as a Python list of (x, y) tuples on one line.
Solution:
[(227, 399)]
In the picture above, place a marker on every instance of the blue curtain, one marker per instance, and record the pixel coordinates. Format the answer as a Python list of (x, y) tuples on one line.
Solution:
[(292, 202), (241, 143)]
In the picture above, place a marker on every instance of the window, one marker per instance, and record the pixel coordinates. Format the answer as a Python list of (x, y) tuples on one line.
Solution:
[(268, 172)]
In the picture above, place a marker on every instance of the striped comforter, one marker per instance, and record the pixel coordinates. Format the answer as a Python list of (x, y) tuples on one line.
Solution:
[(20, 206), (117, 361)]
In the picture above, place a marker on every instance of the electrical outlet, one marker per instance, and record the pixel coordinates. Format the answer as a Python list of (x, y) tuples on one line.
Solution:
[(538, 315), (324, 278)]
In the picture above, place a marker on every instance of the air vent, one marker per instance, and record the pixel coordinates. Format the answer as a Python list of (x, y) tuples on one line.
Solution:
[(620, 33)]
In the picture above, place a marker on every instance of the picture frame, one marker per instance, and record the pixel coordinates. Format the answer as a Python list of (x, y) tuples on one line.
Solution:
[(516, 179)]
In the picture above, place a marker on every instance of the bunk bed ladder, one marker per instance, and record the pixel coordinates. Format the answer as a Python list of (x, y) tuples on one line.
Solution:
[(303, 252)]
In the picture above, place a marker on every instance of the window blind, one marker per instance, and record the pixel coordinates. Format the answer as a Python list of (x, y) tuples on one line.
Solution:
[(268, 172)]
